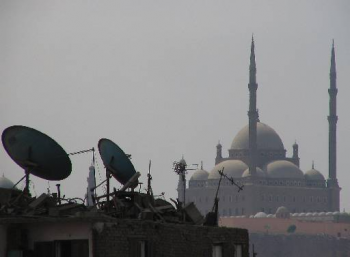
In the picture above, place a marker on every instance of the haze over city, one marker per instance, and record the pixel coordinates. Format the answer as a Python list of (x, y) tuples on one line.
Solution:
[(164, 79)]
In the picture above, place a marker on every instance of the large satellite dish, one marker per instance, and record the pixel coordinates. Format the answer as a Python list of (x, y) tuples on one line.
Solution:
[(36, 153), (116, 161)]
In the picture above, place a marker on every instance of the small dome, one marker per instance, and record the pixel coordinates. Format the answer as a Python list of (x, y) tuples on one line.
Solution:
[(232, 168), (259, 172), (270, 216), (283, 169), (183, 161), (282, 213), (260, 215), (200, 175), (6, 183), (314, 175), (267, 138)]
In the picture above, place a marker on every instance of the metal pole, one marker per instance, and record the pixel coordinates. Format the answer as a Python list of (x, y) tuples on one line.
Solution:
[(59, 193), (184, 186), (107, 174), (27, 182)]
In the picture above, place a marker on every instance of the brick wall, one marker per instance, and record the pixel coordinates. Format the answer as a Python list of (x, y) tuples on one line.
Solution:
[(121, 238)]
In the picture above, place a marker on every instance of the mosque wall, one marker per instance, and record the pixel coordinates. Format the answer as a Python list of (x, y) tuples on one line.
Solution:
[(257, 198), (267, 245)]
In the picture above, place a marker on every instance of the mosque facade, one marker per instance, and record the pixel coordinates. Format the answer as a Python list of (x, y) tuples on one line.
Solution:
[(257, 159)]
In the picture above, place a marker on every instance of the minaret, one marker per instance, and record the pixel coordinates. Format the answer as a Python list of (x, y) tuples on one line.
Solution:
[(332, 182), (296, 154), (218, 153), (332, 120), (252, 113), (91, 184)]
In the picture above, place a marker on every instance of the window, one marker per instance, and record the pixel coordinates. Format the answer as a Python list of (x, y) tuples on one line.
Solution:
[(139, 247), (238, 251), (242, 211), (62, 248), (236, 212), (230, 212), (217, 250)]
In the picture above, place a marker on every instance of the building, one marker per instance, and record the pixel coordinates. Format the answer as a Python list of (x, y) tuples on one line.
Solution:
[(44, 227), (257, 159)]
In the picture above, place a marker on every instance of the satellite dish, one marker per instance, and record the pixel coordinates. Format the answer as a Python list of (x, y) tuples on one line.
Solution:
[(116, 161), (36, 153)]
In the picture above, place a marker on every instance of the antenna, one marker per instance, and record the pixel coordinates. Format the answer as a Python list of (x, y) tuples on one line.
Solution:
[(36, 153), (149, 176), (118, 165), (212, 217), (180, 168)]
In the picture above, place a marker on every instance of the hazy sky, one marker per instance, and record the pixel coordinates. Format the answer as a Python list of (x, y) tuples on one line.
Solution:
[(166, 78)]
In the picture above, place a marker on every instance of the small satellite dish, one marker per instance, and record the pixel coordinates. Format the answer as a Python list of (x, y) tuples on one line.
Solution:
[(116, 161), (36, 153)]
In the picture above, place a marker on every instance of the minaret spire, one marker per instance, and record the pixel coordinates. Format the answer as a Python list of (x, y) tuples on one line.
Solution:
[(332, 182), (332, 120), (252, 113)]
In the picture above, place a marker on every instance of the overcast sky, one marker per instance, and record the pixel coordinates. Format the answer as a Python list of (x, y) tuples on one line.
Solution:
[(166, 78)]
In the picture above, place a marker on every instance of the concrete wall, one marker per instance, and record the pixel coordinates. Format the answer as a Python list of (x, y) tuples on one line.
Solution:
[(116, 239)]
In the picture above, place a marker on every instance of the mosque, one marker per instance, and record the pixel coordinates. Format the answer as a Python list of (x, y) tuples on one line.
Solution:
[(257, 159)]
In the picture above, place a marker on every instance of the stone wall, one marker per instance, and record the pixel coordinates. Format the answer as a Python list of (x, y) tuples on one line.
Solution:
[(299, 245), (123, 238)]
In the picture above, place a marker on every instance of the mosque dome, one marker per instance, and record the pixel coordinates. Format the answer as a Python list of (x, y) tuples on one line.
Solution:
[(259, 172), (260, 215), (282, 213), (6, 183), (314, 175), (267, 138), (232, 168), (283, 169), (200, 175)]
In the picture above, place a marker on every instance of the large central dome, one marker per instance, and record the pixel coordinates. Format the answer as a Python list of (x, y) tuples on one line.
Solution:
[(266, 136)]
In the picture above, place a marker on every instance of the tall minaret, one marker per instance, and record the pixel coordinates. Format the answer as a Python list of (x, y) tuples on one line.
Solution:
[(252, 113), (332, 182), (332, 120)]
